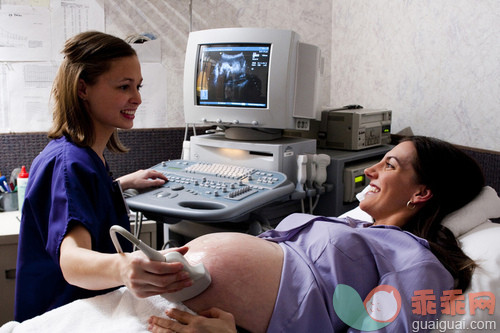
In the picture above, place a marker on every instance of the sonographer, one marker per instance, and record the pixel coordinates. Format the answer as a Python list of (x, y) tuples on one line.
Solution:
[(65, 251)]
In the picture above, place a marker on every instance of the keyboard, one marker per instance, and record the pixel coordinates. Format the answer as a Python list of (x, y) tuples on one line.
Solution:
[(211, 192)]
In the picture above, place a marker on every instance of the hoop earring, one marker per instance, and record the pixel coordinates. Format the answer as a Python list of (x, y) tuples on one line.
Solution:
[(410, 205)]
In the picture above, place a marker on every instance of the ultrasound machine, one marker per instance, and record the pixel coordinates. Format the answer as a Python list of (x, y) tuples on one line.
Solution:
[(252, 84)]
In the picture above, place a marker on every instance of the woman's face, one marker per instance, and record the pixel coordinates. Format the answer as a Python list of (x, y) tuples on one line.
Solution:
[(113, 100), (393, 183)]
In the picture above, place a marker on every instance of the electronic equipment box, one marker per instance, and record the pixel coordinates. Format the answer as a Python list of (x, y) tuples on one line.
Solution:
[(274, 155), (346, 172), (355, 179), (354, 129)]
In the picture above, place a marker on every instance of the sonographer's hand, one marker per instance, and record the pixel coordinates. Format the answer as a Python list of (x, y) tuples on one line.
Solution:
[(213, 320), (142, 179), (144, 277)]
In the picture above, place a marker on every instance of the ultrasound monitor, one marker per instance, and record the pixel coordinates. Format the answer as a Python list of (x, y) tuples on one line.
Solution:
[(253, 82)]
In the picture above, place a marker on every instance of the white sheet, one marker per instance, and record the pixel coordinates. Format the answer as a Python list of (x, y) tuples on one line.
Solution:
[(117, 311), (482, 244)]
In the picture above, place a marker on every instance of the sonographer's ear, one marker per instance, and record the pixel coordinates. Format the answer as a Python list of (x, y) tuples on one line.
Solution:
[(82, 89)]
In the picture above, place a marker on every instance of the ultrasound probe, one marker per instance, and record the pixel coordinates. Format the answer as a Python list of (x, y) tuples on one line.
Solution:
[(200, 276)]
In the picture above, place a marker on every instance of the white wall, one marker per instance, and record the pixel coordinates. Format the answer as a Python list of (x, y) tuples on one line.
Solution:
[(435, 63)]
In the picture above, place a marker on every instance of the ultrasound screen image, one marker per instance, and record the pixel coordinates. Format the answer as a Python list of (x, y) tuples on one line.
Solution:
[(233, 75)]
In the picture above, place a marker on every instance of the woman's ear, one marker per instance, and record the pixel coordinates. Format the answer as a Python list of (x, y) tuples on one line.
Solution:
[(82, 89), (423, 195)]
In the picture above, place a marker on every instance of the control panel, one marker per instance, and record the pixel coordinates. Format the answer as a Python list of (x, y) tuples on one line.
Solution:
[(211, 192)]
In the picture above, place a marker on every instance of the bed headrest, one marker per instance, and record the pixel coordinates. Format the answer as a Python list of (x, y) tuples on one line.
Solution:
[(485, 206)]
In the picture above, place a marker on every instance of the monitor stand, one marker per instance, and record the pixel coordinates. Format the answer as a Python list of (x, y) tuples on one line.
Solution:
[(252, 134)]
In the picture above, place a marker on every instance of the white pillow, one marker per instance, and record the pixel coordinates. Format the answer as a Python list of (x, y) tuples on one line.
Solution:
[(485, 206)]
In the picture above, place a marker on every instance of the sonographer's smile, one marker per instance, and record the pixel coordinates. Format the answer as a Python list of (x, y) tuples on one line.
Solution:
[(129, 114)]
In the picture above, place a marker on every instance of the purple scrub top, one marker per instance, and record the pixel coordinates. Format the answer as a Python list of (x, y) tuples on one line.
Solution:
[(67, 185)]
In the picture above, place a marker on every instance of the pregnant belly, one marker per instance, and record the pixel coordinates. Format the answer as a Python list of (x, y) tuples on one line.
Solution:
[(245, 272)]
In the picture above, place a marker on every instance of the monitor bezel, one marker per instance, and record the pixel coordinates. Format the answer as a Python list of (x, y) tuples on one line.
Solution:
[(281, 81)]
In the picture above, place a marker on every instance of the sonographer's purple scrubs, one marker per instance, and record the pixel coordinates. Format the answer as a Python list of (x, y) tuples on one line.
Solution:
[(320, 253), (67, 185)]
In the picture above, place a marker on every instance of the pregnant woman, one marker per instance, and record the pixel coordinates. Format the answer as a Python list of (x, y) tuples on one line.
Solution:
[(284, 280)]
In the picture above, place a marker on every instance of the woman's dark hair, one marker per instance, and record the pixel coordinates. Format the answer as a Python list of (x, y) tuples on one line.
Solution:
[(455, 179), (86, 56)]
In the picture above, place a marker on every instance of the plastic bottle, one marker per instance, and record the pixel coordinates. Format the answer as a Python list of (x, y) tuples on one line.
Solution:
[(22, 182)]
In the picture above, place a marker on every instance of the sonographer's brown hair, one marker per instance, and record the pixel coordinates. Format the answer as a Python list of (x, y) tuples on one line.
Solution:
[(86, 56)]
